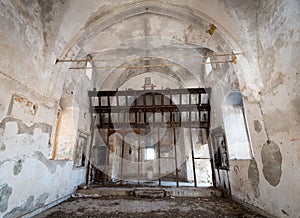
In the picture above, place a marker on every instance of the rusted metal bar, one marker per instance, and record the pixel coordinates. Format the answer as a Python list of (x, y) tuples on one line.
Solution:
[(146, 58), (175, 151), (193, 158), (233, 60), (124, 66), (70, 61)]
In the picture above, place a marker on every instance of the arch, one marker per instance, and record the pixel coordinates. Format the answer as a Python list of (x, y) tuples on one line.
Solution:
[(181, 74), (249, 77)]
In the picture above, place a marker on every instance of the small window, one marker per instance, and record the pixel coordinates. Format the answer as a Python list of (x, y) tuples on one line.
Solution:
[(208, 66), (150, 153)]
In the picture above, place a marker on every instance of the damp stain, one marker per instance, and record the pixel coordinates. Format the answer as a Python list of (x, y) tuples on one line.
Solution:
[(253, 177), (18, 167), (257, 126), (5, 193), (272, 161), (40, 201), (19, 211)]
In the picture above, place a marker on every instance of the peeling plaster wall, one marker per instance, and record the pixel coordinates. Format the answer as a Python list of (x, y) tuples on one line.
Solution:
[(28, 178), (278, 50), (29, 104), (271, 180)]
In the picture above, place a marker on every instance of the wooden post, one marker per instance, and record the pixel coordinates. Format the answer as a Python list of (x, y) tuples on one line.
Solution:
[(158, 151), (123, 143), (174, 133), (213, 173), (193, 158), (139, 155), (88, 170)]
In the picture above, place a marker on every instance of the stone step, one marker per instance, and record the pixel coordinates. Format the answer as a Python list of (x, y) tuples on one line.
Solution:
[(149, 192)]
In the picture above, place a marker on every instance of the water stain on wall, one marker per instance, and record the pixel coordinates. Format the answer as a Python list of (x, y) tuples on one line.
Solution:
[(5, 192), (257, 126), (19, 211), (18, 166), (40, 201), (253, 176), (272, 161)]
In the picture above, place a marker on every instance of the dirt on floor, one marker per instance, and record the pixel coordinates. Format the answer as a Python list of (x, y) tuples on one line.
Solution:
[(131, 206)]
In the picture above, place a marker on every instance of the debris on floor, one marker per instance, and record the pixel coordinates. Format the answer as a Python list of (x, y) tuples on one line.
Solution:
[(132, 206)]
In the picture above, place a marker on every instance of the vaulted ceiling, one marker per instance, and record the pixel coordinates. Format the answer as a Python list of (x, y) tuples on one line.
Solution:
[(115, 33)]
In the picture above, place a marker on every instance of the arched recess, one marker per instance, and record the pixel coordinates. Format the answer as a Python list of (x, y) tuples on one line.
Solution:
[(235, 126), (120, 76)]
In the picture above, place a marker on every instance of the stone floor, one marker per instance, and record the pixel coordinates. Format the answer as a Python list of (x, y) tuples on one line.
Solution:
[(130, 206)]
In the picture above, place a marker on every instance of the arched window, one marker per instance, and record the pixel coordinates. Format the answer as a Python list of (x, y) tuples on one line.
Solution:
[(89, 70), (235, 126), (208, 66)]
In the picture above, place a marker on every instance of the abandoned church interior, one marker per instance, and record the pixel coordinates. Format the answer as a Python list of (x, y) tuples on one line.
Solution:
[(145, 98)]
